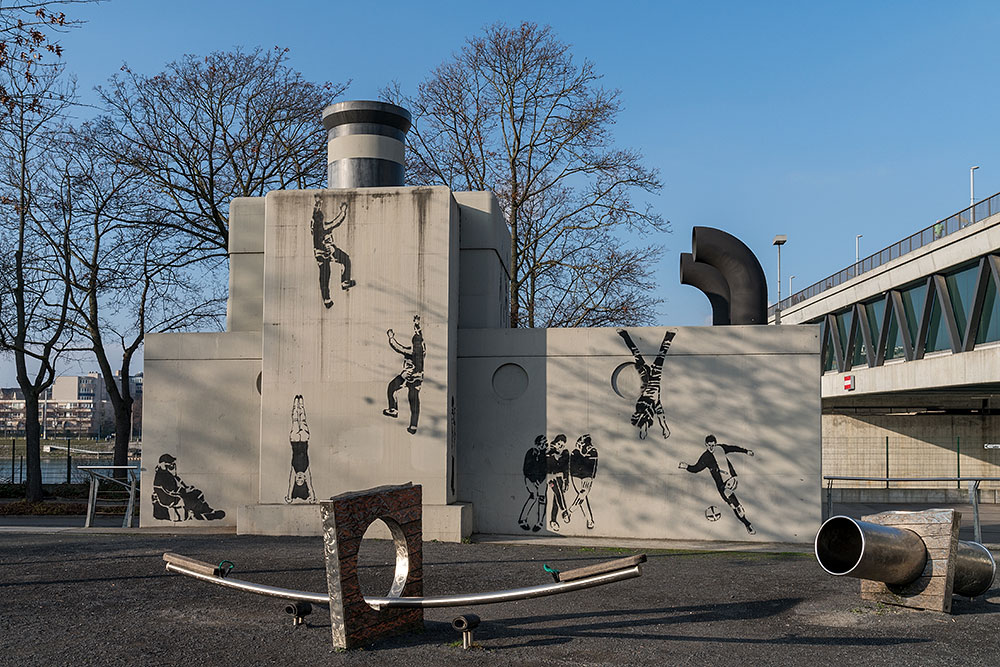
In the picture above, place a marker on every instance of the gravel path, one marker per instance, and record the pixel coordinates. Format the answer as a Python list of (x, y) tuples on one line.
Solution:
[(106, 600)]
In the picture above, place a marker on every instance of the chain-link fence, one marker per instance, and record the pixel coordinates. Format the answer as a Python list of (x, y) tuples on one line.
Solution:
[(908, 457)]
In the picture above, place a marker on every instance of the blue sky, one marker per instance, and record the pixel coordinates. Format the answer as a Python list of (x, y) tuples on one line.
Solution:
[(816, 120)]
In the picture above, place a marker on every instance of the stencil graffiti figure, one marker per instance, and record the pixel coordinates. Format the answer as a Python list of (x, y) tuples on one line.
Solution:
[(534, 479), (173, 500), (300, 486), (582, 469), (648, 406), (412, 374), (721, 468), (557, 469), (326, 251)]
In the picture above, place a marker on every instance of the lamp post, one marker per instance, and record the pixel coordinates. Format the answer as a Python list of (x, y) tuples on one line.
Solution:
[(790, 279), (857, 249), (972, 185), (779, 241)]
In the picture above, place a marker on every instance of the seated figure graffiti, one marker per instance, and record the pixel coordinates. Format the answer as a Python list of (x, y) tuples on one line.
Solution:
[(173, 500)]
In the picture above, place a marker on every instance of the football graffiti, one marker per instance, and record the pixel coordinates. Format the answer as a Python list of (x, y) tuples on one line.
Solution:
[(412, 375), (325, 250), (300, 484), (715, 460), (648, 406), (173, 500), (552, 469)]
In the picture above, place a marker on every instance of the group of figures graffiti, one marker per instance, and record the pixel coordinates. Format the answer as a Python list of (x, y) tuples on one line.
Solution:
[(550, 468), (551, 471)]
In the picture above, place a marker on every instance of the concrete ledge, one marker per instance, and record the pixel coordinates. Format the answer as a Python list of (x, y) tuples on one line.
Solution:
[(444, 523), (910, 495)]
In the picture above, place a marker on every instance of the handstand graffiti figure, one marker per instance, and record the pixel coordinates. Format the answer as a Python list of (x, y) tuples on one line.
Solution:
[(412, 374), (557, 467), (721, 468), (300, 486), (582, 470), (534, 479), (325, 250), (648, 405)]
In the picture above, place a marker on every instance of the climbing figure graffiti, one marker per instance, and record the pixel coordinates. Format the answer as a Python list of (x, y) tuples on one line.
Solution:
[(173, 500), (534, 479), (412, 375), (300, 486), (582, 470), (326, 251), (648, 406), (718, 464)]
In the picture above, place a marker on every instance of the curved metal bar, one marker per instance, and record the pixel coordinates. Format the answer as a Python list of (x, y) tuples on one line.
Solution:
[(465, 599)]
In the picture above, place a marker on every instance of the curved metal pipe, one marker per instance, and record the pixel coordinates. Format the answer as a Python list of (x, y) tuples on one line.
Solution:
[(712, 283), (740, 269), (848, 547), (465, 599), (975, 569)]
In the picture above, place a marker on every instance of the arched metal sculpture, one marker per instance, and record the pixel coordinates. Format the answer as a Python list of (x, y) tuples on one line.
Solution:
[(709, 280)]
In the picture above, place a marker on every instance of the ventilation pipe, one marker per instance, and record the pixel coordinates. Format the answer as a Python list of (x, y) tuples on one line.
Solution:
[(365, 144), (740, 270)]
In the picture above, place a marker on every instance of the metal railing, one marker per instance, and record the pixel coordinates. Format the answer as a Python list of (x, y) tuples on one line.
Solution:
[(973, 491), (979, 211), (97, 475)]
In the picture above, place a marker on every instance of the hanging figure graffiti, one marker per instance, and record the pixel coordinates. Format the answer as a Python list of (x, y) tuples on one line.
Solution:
[(582, 470), (412, 375), (648, 406), (326, 251), (300, 486), (557, 469), (534, 480), (173, 500), (721, 468)]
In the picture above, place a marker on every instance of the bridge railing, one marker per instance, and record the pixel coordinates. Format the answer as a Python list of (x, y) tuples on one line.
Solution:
[(980, 211)]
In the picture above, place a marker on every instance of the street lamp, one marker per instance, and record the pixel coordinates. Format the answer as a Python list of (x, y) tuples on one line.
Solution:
[(790, 292), (779, 241), (972, 185), (857, 249)]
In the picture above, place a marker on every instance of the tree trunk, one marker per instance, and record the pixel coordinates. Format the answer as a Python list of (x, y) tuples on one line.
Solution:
[(32, 433), (123, 433)]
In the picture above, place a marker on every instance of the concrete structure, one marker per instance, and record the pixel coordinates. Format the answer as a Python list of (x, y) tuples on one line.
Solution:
[(911, 357), (409, 373)]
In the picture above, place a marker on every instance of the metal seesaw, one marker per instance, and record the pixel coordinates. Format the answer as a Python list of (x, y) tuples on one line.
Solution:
[(356, 619)]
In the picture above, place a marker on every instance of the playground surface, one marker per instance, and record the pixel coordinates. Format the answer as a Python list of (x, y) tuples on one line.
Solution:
[(103, 598)]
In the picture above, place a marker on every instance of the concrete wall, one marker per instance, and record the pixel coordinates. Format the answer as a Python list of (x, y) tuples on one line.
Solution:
[(920, 445), (403, 249), (755, 387), (202, 408)]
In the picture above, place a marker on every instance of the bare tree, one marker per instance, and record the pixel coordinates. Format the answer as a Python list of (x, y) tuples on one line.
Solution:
[(209, 129), (512, 112), (27, 42), (34, 295), (127, 275)]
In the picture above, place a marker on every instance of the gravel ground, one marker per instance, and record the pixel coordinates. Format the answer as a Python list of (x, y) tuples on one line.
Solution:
[(106, 600)]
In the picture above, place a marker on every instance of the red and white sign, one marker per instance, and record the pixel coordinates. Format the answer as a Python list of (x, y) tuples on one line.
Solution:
[(848, 383)]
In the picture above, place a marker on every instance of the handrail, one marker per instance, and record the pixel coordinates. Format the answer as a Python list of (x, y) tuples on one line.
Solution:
[(968, 215), (973, 491), (95, 482)]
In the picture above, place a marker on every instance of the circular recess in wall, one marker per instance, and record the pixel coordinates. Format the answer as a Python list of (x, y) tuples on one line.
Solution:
[(625, 381), (510, 381), (260, 377)]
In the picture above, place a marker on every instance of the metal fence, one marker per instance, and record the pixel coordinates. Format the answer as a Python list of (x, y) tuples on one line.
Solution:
[(980, 211), (59, 466)]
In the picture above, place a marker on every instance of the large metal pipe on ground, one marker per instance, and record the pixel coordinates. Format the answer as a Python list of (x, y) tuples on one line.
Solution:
[(895, 556)]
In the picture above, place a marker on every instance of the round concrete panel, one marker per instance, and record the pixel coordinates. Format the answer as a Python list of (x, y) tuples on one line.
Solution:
[(510, 381), (625, 382)]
